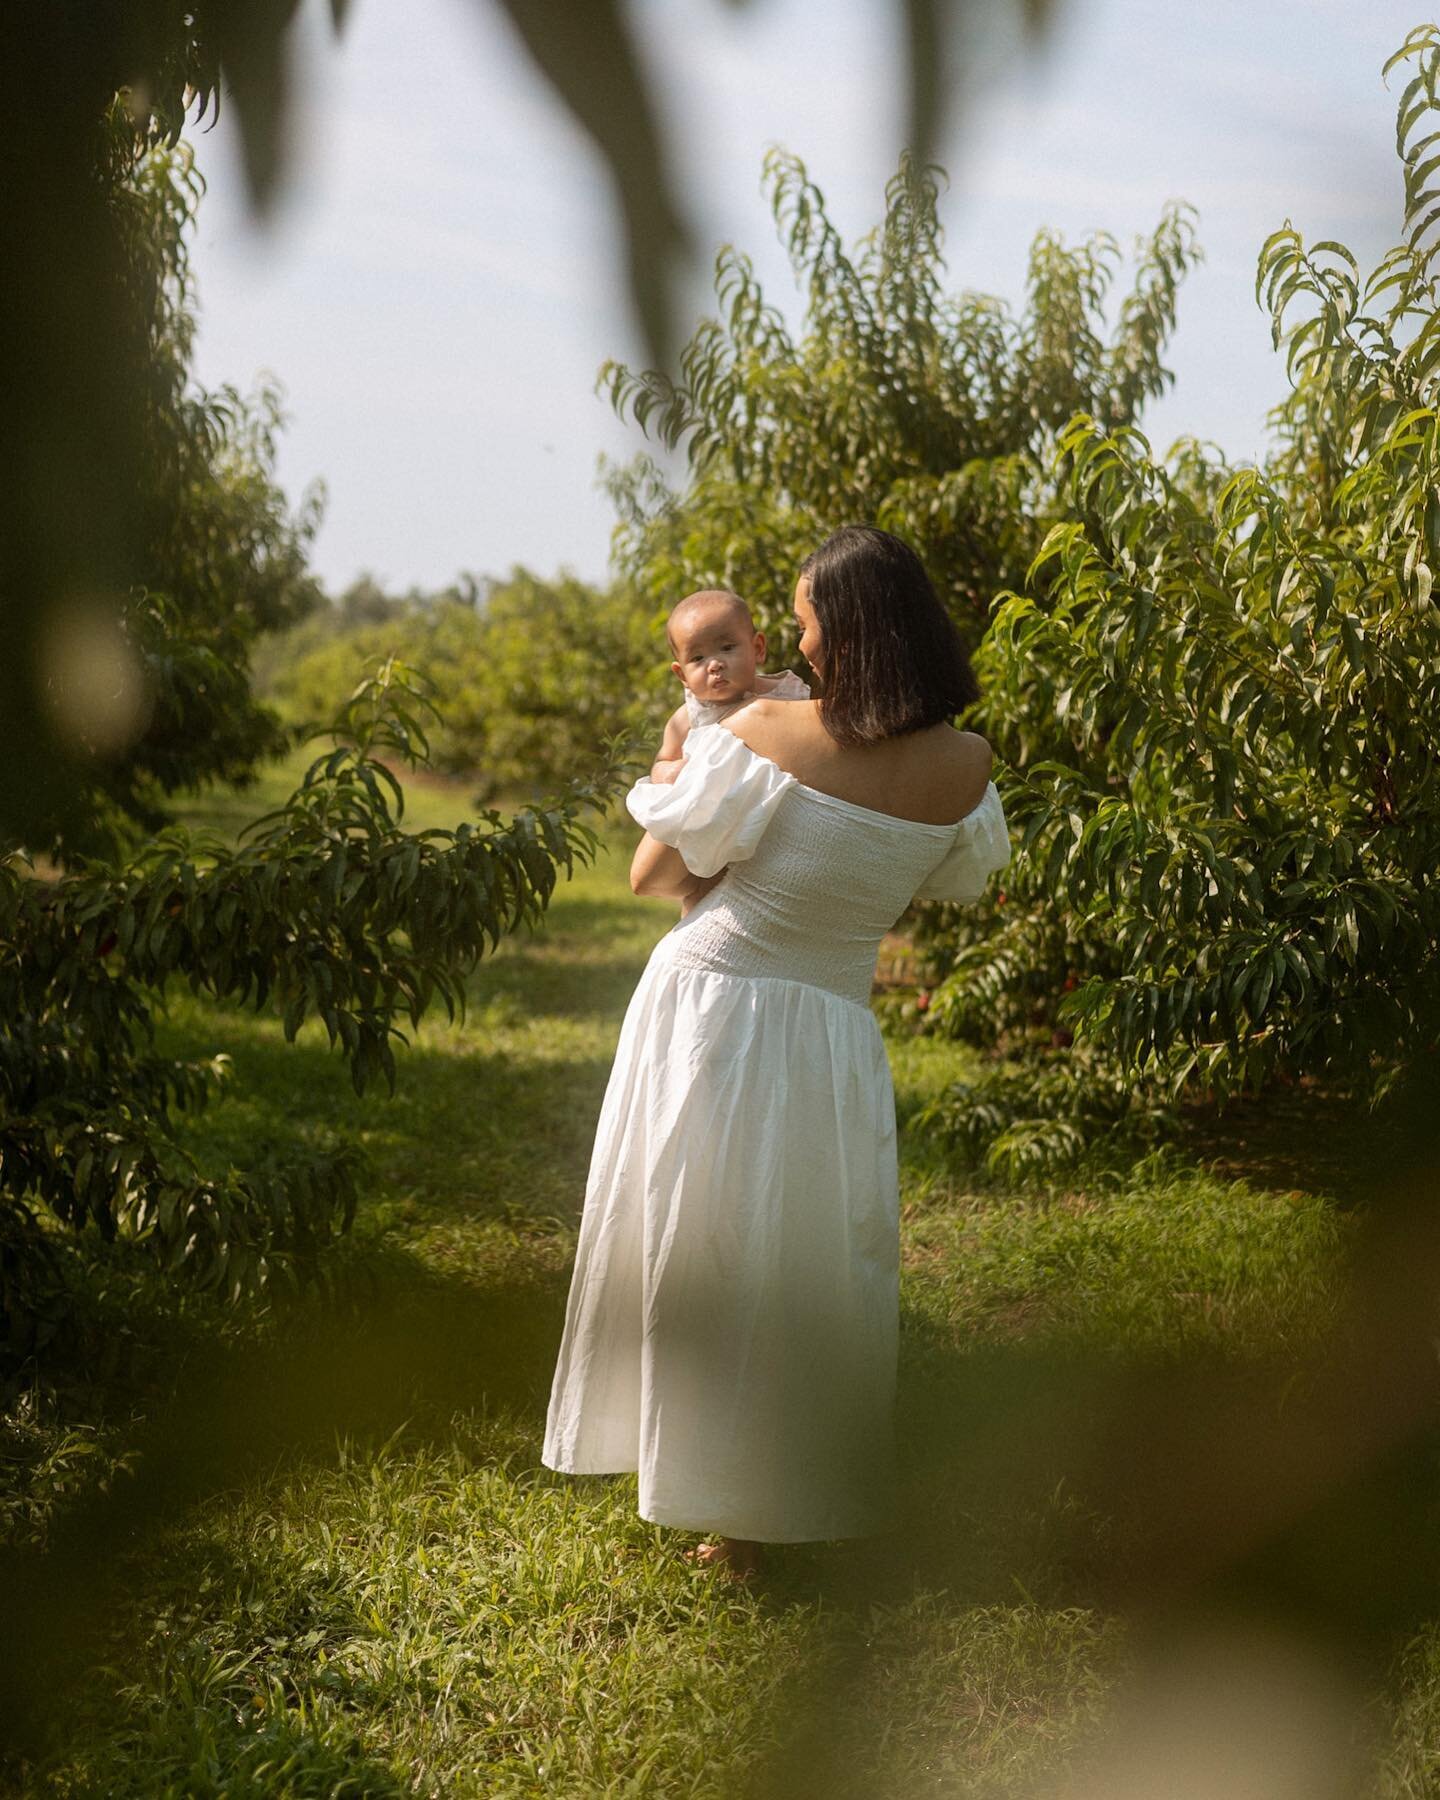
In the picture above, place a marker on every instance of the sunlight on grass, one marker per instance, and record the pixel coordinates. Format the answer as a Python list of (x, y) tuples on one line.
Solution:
[(1168, 1258)]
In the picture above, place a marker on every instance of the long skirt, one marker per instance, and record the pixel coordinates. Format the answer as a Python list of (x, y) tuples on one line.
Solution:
[(732, 1320)]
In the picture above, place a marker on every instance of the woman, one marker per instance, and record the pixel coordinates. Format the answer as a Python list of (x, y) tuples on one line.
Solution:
[(732, 1321)]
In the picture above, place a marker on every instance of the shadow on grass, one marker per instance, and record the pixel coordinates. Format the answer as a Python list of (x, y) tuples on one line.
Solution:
[(451, 1298), (1043, 1475), (547, 988), (576, 922), (398, 1349), (1197, 1498), (1028, 1509), (486, 1119), (1306, 1137)]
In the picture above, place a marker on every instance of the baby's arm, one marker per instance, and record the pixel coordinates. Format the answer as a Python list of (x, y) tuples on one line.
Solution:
[(665, 768), (672, 746)]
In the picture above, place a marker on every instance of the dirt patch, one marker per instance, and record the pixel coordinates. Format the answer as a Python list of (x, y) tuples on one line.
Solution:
[(1304, 1136)]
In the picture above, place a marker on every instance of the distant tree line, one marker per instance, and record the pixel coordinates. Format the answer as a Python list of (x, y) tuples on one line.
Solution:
[(530, 677)]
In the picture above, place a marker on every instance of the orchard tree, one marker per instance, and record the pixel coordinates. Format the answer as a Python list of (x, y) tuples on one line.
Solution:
[(1218, 697), (562, 671), (532, 680), (899, 402), (329, 908)]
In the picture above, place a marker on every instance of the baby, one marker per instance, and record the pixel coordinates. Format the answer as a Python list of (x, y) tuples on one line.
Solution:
[(717, 651)]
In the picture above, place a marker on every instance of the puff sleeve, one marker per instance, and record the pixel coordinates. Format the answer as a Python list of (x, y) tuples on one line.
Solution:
[(981, 846), (716, 810)]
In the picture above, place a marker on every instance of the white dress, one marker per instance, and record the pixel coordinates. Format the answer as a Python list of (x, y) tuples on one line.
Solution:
[(732, 1322)]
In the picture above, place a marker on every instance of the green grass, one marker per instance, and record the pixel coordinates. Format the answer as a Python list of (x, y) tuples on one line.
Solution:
[(338, 1568)]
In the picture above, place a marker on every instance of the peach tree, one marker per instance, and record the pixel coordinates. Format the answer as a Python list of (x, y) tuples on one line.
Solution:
[(328, 909), (1217, 696), (899, 400)]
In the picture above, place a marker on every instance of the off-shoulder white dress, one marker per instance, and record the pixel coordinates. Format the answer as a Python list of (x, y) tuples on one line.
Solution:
[(732, 1321)]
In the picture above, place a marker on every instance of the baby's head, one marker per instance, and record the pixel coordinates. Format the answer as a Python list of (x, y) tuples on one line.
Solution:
[(716, 646)]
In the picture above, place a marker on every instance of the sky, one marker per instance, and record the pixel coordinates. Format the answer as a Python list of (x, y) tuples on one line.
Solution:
[(441, 280)]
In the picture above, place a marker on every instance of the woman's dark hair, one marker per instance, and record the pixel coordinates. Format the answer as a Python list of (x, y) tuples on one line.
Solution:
[(894, 661)]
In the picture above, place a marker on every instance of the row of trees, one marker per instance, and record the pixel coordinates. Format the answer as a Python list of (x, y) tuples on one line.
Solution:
[(1212, 691)]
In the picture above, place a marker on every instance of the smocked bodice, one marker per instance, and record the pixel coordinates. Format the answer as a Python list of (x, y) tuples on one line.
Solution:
[(825, 884), (812, 883)]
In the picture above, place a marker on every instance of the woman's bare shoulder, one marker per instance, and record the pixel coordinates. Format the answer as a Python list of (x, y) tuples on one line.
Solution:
[(936, 775), (960, 762), (762, 714), (972, 753)]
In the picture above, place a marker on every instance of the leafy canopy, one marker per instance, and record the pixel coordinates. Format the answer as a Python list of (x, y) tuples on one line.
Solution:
[(1218, 692), (328, 908), (898, 402)]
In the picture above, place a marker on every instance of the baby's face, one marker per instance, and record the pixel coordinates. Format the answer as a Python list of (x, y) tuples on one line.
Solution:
[(716, 653)]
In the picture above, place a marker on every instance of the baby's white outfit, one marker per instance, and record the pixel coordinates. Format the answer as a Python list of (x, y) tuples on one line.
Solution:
[(788, 686)]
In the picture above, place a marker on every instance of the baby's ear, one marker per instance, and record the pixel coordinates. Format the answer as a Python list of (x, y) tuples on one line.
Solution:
[(677, 671)]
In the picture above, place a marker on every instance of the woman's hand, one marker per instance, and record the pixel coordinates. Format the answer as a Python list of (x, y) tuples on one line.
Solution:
[(702, 885), (667, 770), (658, 872)]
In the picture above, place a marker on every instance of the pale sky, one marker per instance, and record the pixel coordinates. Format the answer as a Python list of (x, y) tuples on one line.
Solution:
[(442, 282)]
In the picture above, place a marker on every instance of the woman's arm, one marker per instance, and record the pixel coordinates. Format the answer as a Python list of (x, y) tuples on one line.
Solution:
[(658, 872)]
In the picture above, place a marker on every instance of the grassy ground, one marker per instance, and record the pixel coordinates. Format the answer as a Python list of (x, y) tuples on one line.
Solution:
[(337, 1567)]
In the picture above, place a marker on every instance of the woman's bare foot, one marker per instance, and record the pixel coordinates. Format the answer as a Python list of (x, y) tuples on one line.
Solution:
[(737, 1558)]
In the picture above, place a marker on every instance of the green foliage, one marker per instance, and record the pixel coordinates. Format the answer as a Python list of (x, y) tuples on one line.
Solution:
[(1026, 1118), (308, 672), (562, 668), (1219, 700), (223, 557), (532, 679), (327, 908), (927, 412)]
